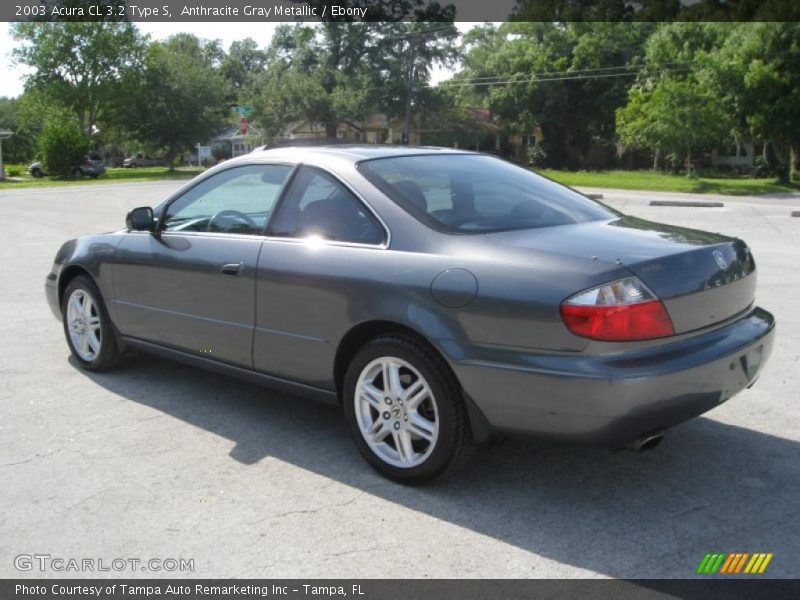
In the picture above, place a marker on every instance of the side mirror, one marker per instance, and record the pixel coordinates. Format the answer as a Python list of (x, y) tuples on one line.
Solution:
[(140, 219)]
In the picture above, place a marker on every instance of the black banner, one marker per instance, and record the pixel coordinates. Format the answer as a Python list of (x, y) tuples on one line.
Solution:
[(388, 589), (397, 10)]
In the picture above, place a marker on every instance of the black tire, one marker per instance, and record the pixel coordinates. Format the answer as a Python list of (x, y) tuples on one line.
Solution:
[(109, 355), (453, 443), (37, 173)]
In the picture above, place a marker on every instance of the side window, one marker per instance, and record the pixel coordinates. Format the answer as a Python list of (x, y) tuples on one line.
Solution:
[(239, 200), (318, 205)]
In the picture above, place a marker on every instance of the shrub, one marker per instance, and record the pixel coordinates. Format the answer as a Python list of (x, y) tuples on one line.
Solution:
[(62, 146)]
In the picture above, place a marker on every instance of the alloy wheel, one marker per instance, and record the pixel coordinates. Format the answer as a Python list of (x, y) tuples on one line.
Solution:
[(83, 325), (396, 412)]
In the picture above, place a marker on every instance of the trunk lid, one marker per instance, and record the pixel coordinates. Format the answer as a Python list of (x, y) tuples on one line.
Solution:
[(702, 278)]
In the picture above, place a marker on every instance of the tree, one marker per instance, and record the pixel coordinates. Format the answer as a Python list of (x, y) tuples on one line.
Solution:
[(20, 147), (79, 65), (756, 73), (242, 64), (341, 70), (62, 144), (566, 80), (745, 76), (180, 98), (678, 116)]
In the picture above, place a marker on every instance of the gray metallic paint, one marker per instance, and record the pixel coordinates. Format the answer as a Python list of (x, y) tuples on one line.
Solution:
[(489, 303)]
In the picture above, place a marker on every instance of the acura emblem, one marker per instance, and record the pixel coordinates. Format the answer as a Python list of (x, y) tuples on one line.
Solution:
[(720, 258)]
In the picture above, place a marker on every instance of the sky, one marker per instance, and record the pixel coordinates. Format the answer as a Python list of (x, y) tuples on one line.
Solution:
[(12, 81)]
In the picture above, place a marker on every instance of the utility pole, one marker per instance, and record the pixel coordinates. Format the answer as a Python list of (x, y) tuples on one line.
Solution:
[(4, 134), (407, 126)]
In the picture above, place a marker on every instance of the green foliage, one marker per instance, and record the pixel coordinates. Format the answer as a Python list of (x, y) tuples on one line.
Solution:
[(757, 73), (726, 82), (241, 66), (346, 71), (80, 65), (677, 90), (21, 146), (179, 100), (678, 116), (540, 75), (62, 144)]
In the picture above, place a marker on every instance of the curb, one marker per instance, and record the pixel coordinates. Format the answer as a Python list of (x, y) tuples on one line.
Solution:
[(694, 204)]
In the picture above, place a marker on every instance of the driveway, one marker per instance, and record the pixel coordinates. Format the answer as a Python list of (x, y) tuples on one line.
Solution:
[(159, 460)]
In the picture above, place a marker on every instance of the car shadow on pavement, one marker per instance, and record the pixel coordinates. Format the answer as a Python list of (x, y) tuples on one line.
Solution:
[(709, 487)]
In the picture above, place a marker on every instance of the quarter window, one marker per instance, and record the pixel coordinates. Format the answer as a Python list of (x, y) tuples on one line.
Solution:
[(472, 193), (318, 205), (239, 200)]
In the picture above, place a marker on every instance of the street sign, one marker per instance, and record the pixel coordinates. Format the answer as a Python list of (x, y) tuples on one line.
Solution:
[(243, 110)]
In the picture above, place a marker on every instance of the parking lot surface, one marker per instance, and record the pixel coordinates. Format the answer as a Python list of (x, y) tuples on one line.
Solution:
[(157, 460)]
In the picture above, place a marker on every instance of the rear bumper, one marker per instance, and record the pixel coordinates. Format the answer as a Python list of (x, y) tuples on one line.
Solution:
[(611, 399)]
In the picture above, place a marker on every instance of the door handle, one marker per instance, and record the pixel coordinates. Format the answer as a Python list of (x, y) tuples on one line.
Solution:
[(231, 269)]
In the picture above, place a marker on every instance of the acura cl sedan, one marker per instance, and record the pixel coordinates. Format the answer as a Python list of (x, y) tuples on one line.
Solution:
[(441, 297)]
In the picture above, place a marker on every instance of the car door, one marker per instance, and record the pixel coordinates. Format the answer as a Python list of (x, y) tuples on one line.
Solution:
[(191, 284), (322, 245)]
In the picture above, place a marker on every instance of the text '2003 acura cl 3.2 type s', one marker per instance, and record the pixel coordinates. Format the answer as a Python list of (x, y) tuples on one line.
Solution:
[(440, 296)]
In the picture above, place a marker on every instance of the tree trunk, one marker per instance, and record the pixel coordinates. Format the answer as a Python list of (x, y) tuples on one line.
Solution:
[(170, 158), (784, 155), (688, 162), (657, 156), (331, 127)]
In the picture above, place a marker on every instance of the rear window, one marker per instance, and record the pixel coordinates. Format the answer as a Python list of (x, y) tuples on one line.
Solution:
[(472, 193)]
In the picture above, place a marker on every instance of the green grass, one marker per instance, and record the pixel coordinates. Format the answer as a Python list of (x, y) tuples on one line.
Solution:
[(660, 182), (110, 176)]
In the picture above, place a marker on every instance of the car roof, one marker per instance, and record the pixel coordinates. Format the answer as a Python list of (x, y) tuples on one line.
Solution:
[(353, 152)]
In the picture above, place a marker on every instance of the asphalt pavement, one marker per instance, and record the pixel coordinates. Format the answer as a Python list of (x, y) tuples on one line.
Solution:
[(161, 461)]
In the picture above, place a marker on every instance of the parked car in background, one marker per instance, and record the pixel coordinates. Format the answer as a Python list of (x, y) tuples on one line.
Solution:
[(93, 166), (140, 160), (439, 296)]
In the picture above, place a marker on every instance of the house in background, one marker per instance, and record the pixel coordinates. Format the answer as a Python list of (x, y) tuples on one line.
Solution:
[(307, 130), (468, 128), (738, 156), (236, 141)]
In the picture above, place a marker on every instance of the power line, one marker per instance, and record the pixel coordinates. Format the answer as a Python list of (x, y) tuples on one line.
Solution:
[(570, 78), (573, 72)]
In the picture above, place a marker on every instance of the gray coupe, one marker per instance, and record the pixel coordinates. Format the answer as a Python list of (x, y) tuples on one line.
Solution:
[(441, 297)]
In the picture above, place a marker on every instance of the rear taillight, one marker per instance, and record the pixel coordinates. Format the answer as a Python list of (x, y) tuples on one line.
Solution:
[(620, 311)]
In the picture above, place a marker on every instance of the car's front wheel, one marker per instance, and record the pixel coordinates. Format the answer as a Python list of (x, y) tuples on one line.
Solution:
[(88, 327), (405, 410)]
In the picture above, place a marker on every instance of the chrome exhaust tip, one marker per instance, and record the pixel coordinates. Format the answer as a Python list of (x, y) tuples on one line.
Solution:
[(646, 442)]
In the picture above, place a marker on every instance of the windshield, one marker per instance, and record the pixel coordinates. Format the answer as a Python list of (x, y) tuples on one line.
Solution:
[(473, 193)]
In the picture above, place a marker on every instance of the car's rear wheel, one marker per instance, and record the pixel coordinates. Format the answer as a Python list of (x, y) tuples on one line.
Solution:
[(37, 173), (87, 326), (405, 410)]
